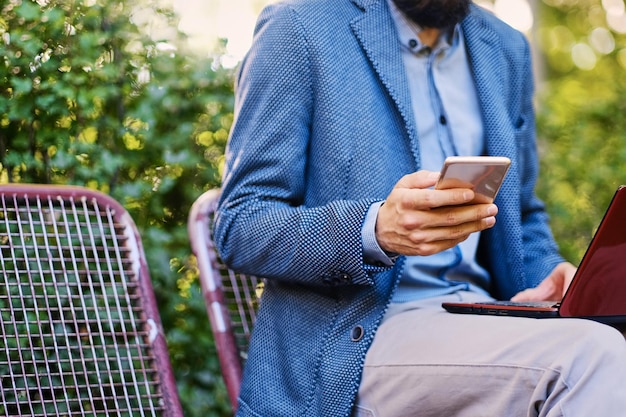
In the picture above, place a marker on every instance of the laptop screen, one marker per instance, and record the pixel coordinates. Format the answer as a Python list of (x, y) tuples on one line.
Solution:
[(599, 288)]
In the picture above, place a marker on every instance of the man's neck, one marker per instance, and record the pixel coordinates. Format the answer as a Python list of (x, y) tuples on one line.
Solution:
[(429, 36)]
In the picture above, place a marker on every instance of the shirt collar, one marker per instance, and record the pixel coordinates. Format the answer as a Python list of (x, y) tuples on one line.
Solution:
[(408, 31)]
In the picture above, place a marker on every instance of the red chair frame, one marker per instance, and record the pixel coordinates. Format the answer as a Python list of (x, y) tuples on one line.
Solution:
[(231, 298), (79, 322)]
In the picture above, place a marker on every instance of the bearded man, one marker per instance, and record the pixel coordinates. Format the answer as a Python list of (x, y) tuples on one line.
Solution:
[(345, 111)]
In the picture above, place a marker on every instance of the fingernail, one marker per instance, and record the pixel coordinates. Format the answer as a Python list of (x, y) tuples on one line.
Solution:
[(492, 210), (490, 221)]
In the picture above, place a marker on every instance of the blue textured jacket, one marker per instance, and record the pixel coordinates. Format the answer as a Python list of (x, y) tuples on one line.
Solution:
[(323, 128)]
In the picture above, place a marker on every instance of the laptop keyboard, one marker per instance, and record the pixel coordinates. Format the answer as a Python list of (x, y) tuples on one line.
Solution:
[(526, 303)]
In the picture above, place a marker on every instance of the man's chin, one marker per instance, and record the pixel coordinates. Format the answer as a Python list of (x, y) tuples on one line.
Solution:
[(438, 14)]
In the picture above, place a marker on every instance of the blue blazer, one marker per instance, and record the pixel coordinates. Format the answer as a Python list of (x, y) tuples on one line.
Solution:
[(323, 128)]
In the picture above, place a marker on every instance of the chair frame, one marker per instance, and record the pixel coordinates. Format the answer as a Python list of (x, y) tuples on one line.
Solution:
[(231, 298), (38, 208)]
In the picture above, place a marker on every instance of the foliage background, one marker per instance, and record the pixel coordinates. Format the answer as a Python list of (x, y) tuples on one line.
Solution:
[(88, 98), (581, 117)]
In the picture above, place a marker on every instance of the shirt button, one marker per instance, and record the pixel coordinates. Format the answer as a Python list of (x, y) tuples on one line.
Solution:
[(442, 120), (357, 333), (412, 43)]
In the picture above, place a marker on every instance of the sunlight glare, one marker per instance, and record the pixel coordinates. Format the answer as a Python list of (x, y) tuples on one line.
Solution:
[(617, 22), (205, 22), (583, 56), (602, 40), (516, 13), (613, 7)]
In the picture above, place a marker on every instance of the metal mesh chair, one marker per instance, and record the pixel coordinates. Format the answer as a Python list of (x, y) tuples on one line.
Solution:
[(80, 330), (231, 298)]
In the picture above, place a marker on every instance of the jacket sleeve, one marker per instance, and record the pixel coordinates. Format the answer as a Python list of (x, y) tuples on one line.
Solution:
[(263, 226), (541, 253)]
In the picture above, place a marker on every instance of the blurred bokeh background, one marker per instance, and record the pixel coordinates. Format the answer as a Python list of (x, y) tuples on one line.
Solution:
[(135, 99)]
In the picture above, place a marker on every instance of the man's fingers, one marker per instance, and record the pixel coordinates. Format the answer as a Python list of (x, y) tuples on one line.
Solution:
[(415, 191), (544, 291), (426, 199), (442, 198), (428, 247), (426, 241), (417, 220), (523, 296), (473, 217)]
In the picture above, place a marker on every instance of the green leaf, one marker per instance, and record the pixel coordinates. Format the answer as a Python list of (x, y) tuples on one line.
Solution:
[(28, 10), (21, 86)]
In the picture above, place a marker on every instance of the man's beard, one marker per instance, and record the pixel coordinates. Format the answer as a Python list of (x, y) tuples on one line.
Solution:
[(438, 14)]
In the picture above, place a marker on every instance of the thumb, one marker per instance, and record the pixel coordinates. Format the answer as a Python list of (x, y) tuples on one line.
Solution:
[(542, 292), (525, 295), (419, 179)]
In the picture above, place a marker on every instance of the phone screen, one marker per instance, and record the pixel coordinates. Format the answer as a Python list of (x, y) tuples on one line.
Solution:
[(483, 174)]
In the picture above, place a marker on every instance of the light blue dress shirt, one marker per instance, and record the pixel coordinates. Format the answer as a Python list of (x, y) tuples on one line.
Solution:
[(448, 119)]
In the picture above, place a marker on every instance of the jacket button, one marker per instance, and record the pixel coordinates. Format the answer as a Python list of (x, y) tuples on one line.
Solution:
[(357, 333)]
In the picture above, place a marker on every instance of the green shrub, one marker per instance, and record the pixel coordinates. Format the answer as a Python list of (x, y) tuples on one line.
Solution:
[(581, 119), (88, 98)]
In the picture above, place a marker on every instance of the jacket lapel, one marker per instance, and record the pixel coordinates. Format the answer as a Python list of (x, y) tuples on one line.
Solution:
[(372, 30), (490, 75), (375, 31), (485, 52)]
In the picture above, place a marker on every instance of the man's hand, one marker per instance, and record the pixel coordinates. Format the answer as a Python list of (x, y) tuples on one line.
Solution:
[(417, 220), (552, 288)]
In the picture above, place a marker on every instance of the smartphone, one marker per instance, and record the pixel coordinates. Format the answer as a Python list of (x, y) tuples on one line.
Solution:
[(483, 174)]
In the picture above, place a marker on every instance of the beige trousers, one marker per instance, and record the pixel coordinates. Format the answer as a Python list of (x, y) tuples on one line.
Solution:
[(425, 362)]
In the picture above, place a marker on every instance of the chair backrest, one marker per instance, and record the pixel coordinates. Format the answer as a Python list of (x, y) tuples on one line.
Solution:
[(231, 298), (80, 330)]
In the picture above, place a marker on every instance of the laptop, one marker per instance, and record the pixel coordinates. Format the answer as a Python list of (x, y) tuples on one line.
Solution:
[(598, 289)]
